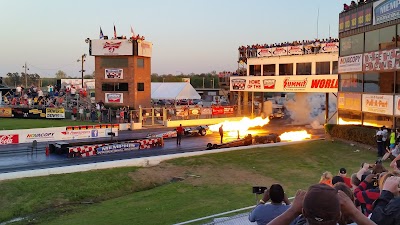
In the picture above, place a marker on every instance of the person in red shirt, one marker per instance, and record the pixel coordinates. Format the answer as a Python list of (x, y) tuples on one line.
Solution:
[(343, 174), (179, 133)]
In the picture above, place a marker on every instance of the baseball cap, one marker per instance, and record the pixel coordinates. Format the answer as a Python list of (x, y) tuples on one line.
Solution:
[(321, 205), (342, 170)]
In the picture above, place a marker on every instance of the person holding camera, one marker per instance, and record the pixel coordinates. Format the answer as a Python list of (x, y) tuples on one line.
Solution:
[(264, 212)]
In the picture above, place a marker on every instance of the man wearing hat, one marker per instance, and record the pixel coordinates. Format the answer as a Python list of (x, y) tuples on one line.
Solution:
[(321, 205)]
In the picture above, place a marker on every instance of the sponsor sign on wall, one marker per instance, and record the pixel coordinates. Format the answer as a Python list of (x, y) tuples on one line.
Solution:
[(218, 110), (114, 74), (381, 104), (351, 63), (311, 83), (29, 113), (356, 18), (397, 105), (386, 10), (295, 50), (350, 101), (75, 134), (263, 52), (114, 97), (9, 139), (55, 113), (206, 111), (117, 147), (111, 47), (381, 60), (145, 48), (77, 83), (278, 51), (329, 47), (5, 112)]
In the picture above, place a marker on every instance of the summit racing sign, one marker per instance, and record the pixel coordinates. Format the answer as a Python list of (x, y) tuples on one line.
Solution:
[(118, 147), (298, 83)]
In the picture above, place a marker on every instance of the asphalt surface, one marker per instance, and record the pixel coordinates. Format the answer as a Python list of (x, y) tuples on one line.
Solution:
[(20, 158)]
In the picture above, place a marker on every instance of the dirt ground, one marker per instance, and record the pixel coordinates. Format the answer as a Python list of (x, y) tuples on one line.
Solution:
[(197, 175)]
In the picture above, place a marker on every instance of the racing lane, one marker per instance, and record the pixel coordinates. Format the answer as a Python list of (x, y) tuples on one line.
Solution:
[(16, 158)]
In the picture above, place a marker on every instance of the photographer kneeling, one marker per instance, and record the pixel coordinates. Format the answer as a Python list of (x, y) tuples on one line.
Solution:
[(264, 211)]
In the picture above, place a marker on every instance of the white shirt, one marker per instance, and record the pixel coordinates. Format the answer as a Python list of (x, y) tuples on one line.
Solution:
[(73, 91), (19, 89), (40, 93)]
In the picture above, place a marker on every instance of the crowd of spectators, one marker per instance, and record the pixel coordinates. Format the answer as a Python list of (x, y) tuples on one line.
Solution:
[(368, 196), (354, 4), (251, 50)]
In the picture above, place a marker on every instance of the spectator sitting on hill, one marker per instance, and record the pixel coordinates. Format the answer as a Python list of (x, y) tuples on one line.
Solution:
[(326, 178), (265, 212), (343, 174), (344, 220)]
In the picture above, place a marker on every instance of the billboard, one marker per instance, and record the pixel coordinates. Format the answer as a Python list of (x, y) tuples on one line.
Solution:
[(6, 112), (111, 47), (351, 63), (397, 105), (114, 97), (381, 104), (386, 10), (114, 74), (384, 60), (355, 18), (55, 113), (145, 48), (310, 83), (349, 101)]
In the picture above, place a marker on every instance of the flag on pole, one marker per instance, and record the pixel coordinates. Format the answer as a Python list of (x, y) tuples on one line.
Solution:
[(115, 32), (101, 34), (132, 33)]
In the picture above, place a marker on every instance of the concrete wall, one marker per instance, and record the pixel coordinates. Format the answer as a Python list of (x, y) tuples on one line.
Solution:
[(212, 121)]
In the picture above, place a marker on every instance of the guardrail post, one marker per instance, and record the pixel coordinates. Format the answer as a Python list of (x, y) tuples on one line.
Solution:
[(152, 116)]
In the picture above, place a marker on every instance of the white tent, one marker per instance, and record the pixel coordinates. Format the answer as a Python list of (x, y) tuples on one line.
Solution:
[(173, 91)]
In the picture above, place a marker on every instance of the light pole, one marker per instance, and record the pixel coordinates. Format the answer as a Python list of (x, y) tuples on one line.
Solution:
[(82, 60), (26, 75)]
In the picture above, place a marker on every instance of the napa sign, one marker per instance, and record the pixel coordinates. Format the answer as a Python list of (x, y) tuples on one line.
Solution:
[(386, 10)]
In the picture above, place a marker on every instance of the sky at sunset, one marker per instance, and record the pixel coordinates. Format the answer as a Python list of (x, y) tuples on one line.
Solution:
[(188, 35)]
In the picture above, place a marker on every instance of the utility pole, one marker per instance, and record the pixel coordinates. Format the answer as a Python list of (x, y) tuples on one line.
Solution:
[(26, 75), (203, 82), (82, 70)]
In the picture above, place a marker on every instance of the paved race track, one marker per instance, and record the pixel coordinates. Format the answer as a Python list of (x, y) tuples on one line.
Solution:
[(19, 158)]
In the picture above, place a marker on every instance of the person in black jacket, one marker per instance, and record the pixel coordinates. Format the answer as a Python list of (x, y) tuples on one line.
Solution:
[(387, 207)]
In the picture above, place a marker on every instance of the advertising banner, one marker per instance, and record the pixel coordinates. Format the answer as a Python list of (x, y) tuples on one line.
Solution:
[(329, 47), (381, 104), (228, 110), (278, 51), (206, 111), (351, 63), (77, 83), (183, 111), (295, 50), (381, 60), (145, 48), (367, 16), (114, 74), (309, 83), (5, 112), (386, 10), (75, 134), (349, 101), (55, 113), (341, 24), (360, 18), (194, 111), (117, 147), (264, 52), (114, 97), (111, 47), (354, 18), (9, 139), (397, 105), (29, 113), (218, 110), (347, 22)]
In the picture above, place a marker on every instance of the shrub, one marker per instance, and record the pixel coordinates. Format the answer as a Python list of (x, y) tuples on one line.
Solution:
[(360, 134)]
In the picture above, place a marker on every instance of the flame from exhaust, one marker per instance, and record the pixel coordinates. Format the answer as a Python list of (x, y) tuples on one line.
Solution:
[(232, 127), (295, 136)]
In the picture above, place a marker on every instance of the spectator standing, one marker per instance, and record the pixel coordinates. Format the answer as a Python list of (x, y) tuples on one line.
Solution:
[(87, 112), (221, 132), (179, 133), (74, 113), (392, 139), (379, 142), (264, 212), (81, 113)]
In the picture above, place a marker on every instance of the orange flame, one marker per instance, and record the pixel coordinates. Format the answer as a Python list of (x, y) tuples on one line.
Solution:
[(232, 127), (356, 122), (295, 136)]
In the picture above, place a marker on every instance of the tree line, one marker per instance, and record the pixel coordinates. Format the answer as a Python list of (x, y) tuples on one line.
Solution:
[(206, 80)]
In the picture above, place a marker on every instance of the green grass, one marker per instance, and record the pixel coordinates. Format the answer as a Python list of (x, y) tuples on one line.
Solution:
[(15, 123), (120, 198)]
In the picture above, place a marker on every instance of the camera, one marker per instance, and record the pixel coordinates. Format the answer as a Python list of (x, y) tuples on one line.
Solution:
[(259, 190)]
